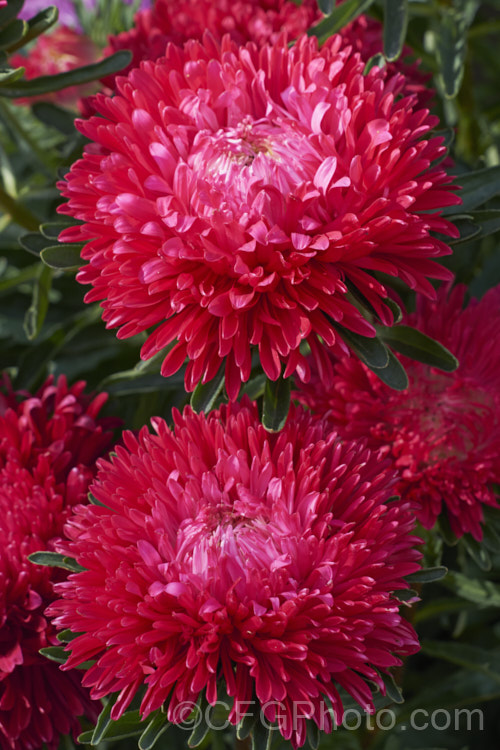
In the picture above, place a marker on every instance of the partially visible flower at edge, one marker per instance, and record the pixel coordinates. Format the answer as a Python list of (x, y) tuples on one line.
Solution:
[(49, 443), (443, 433), (224, 553)]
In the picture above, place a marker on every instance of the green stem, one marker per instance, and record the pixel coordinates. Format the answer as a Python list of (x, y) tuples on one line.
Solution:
[(18, 213)]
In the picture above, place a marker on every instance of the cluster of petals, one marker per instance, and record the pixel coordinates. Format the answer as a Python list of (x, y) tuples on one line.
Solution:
[(443, 433), (177, 21), (229, 556), (49, 443), (230, 195), (60, 51)]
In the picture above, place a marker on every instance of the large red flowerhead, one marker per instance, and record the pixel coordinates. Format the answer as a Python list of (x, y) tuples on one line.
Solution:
[(48, 446), (230, 195), (228, 554), (443, 433)]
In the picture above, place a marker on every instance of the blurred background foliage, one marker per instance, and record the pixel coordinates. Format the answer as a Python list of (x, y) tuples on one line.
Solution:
[(45, 327)]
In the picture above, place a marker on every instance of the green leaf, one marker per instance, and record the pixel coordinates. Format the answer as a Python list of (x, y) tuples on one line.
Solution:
[(451, 42), (340, 16), (326, 6), (9, 75), (205, 396), (276, 404), (371, 351), (33, 242), (255, 387), (63, 256), (477, 188), (66, 636), (55, 560), (484, 593), (52, 229), (103, 722), (128, 725), (12, 33), (36, 26), (477, 551), (75, 77), (313, 735), (392, 690), (487, 221), (156, 727), (261, 736), (393, 374), (377, 60), (245, 725), (465, 655), (427, 575), (56, 117), (201, 730), (55, 653), (404, 595), (35, 315), (416, 345), (395, 26)]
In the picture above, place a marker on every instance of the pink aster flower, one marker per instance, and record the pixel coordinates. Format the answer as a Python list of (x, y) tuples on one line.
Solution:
[(230, 193), (443, 433), (58, 52), (224, 553), (48, 446)]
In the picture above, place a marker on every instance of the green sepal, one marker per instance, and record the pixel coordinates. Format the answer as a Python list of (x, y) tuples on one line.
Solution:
[(276, 404)]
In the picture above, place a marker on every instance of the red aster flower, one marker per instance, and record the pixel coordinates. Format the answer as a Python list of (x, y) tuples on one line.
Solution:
[(231, 193), (177, 21), (443, 433), (225, 553), (58, 52), (48, 446)]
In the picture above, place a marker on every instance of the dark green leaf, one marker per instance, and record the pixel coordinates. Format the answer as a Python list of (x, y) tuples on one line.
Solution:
[(488, 222), (417, 345), (395, 25), (33, 242), (326, 6), (66, 636), (377, 60), (477, 188), (477, 551), (451, 42), (55, 653), (404, 595), (484, 593), (55, 560), (205, 396), (313, 735), (468, 231), (392, 690), (427, 575), (393, 374), (128, 725), (55, 117), (103, 722), (156, 727), (202, 728), (75, 77), (471, 657), (446, 530), (53, 229), (245, 726), (12, 33), (35, 315), (254, 388), (340, 16), (371, 351), (63, 256), (276, 404), (36, 26), (10, 11), (261, 736)]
